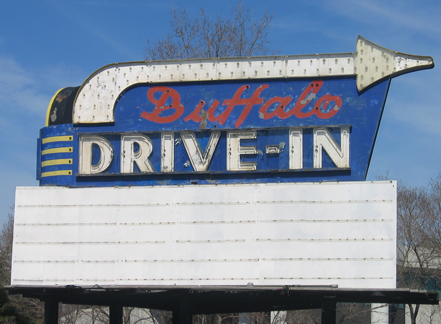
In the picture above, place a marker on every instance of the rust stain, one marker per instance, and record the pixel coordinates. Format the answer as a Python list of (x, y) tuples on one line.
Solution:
[(60, 97), (204, 116)]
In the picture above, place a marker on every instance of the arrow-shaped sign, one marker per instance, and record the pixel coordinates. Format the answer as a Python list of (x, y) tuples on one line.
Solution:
[(97, 96)]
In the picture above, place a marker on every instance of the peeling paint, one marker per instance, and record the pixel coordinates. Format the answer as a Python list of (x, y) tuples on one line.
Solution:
[(61, 97), (281, 146), (204, 117), (310, 97), (54, 115)]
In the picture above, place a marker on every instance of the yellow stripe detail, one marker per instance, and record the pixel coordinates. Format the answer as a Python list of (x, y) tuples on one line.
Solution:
[(57, 139), (57, 150), (56, 162), (50, 105), (56, 173)]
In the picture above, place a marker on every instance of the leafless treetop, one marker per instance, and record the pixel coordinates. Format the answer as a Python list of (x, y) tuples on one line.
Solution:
[(204, 36)]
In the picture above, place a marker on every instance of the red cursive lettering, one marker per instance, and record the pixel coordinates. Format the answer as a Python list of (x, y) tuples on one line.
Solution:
[(248, 102), (307, 96), (280, 102), (280, 106), (322, 104), (230, 103), (197, 112), (160, 106)]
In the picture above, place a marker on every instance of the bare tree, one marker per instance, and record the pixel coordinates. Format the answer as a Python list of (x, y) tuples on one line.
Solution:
[(303, 316), (419, 238), (25, 310), (257, 317), (353, 313), (69, 314), (72, 314), (161, 316), (236, 34), (6, 239), (133, 315)]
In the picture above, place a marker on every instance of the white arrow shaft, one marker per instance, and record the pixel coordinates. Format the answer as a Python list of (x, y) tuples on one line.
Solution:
[(97, 96)]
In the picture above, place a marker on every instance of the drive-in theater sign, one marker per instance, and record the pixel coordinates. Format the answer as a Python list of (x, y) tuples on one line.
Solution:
[(241, 172), (259, 120)]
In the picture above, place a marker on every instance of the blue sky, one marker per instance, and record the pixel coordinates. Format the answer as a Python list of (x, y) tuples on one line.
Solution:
[(51, 44)]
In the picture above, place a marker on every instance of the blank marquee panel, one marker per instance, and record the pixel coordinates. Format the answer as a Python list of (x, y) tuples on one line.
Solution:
[(266, 234)]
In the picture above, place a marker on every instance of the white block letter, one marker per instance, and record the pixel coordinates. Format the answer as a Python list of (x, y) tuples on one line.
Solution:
[(199, 162), (296, 148), (324, 141), (85, 151), (234, 151), (140, 157), (167, 152)]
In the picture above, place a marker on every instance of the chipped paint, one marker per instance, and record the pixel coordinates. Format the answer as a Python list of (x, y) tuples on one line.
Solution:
[(281, 146), (369, 65), (204, 117), (310, 97), (224, 128)]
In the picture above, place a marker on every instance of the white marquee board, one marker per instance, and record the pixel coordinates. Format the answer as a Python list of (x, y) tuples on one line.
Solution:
[(267, 234)]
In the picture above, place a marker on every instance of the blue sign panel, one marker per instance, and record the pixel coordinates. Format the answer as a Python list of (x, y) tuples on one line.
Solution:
[(242, 131)]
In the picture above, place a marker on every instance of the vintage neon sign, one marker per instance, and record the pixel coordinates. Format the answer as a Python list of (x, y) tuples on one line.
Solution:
[(136, 149), (283, 106), (283, 119)]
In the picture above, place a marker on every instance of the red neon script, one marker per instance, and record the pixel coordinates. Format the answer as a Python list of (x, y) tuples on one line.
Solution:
[(280, 107), (308, 95), (160, 106), (230, 103)]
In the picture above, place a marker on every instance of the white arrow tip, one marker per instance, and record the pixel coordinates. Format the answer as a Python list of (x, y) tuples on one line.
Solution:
[(373, 62)]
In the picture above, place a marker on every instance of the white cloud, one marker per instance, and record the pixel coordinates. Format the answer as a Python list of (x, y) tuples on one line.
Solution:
[(388, 23), (30, 91), (419, 16), (20, 89), (24, 97)]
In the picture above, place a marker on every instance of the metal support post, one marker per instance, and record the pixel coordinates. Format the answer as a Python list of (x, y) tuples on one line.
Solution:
[(115, 314), (183, 315), (329, 311), (50, 312)]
